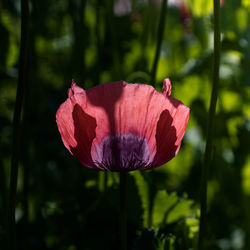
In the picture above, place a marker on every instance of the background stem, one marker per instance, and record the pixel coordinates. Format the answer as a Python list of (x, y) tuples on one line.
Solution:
[(3, 195), (22, 77), (123, 214), (98, 41), (111, 23), (159, 40), (210, 125)]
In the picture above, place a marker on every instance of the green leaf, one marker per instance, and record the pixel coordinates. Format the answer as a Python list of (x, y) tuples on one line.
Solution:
[(168, 208), (182, 209), (162, 203)]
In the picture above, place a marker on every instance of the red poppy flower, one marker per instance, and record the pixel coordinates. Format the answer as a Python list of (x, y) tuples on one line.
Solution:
[(120, 126)]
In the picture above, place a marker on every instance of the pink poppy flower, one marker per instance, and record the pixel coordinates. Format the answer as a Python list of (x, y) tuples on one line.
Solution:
[(122, 127)]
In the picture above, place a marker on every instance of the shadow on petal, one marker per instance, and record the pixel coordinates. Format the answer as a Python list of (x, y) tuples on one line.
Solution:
[(85, 132), (106, 96), (165, 139)]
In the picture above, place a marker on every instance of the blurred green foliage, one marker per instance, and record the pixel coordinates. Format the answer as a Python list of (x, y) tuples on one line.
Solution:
[(62, 205)]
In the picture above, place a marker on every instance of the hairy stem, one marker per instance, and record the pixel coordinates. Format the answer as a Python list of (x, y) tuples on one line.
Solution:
[(123, 214), (210, 125)]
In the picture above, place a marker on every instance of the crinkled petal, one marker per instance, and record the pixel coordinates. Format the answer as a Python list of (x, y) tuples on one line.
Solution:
[(131, 126)]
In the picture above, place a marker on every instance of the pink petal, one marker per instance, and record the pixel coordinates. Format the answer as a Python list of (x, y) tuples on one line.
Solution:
[(76, 127), (170, 131), (120, 126), (74, 89), (167, 87)]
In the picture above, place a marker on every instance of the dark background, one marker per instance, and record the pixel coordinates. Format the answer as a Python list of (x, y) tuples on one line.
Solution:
[(63, 205)]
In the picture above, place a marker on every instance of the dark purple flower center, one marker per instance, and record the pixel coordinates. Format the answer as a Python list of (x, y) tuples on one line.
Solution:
[(123, 152)]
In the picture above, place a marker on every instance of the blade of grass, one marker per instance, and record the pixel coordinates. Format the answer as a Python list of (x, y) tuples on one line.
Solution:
[(22, 77), (210, 125)]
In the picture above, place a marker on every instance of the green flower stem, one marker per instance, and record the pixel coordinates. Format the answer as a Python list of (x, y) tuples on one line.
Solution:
[(159, 40), (123, 214), (22, 78), (210, 125)]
